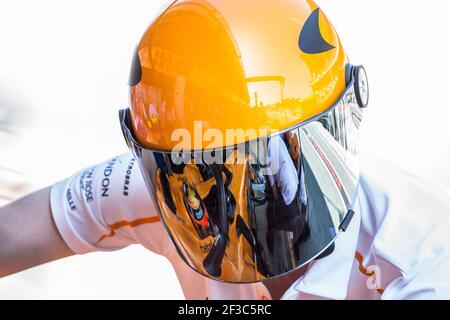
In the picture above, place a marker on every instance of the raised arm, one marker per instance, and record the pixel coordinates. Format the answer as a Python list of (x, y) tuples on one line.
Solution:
[(28, 234), (105, 207)]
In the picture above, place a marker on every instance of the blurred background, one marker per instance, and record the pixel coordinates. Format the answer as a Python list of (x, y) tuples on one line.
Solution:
[(64, 67)]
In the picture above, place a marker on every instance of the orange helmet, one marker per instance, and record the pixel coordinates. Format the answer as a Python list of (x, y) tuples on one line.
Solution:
[(244, 118)]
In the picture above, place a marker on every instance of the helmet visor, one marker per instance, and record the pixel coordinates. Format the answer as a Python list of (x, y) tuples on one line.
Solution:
[(263, 208)]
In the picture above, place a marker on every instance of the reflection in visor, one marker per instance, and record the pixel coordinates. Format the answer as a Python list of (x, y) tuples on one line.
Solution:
[(272, 211)]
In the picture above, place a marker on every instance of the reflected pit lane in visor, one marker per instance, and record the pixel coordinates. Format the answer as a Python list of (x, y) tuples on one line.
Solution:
[(262, 208)]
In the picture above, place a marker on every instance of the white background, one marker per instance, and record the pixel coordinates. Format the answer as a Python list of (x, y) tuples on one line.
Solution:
[(64, 66)]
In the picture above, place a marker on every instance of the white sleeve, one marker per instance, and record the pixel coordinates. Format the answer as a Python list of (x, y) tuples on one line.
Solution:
[(107, 207), (429, 282), (284, 176)]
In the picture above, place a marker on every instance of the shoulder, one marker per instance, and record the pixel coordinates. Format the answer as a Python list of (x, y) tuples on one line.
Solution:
[(406, 216), (401, 190)]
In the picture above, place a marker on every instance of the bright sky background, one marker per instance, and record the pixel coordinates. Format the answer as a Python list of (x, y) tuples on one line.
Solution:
[(64, 66)]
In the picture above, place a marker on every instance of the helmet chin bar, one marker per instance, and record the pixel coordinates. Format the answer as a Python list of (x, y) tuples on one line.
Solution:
[(359, 75)]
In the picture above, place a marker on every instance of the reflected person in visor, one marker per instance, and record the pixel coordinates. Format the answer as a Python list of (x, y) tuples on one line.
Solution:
[(244, 168)]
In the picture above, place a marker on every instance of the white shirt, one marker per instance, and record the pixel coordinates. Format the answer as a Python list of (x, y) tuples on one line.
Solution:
[(396, 247)]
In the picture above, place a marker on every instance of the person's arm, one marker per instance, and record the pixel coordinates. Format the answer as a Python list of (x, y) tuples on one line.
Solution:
[(28, 234), (102, 208)]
